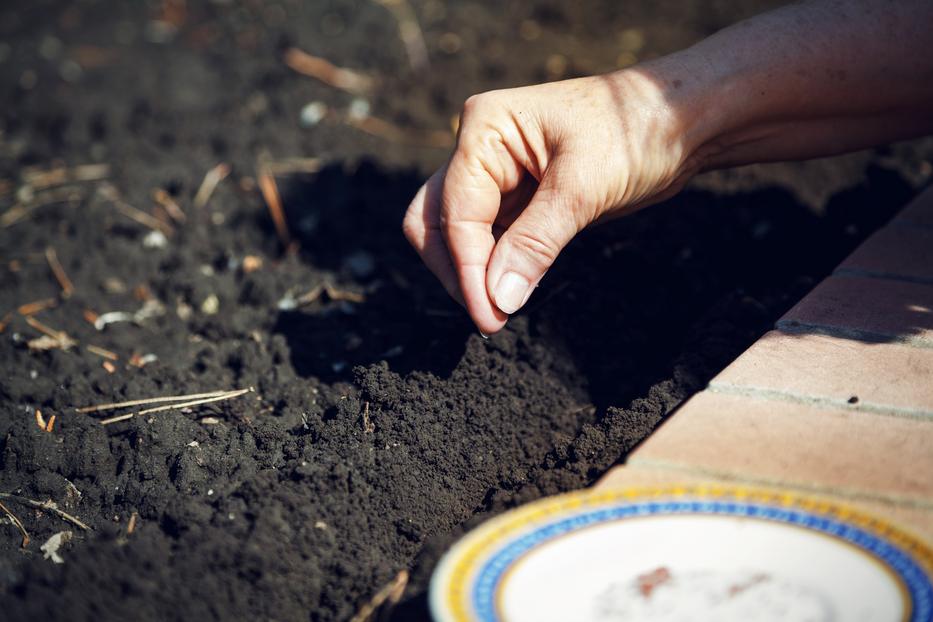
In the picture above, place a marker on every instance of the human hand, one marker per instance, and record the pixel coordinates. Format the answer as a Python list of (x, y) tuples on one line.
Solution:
[(532, 167)]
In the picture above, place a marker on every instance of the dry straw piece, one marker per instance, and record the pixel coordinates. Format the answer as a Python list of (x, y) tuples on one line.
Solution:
[(110, 193), (17, 522), (31, 308), (322, 69), (47, 506), (409, 31), (171, 207), (209, 184), (270, 193), (388, 595), (58, 272), (178, 402)]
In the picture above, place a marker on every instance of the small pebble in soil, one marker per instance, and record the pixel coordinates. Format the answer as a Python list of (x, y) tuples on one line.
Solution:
[(359, 109), (287, 302), (70, 71), (183, 310), (50, 47), (312, 114), (211, 305), (155, 239), (251, 263)]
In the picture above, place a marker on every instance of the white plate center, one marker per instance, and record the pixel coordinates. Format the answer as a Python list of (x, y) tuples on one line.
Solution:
[(699, 568)]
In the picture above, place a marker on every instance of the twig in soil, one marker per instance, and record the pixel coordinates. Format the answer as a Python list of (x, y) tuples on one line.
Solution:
[(51, 424), (48, 506), (58, 272), (148, 411), (131, 526), (293, 166), (45, 342), (322, 69), (51, 339), (343, 294), (107, 354), (409, 31), (270, 193), (31, 308), (310, 296), (332, 292), (169, 204), (58, 176), (386, 130), (46, 330), (24, 209), (40, 420), (388, 595), (5, 320), (209, 184), (16, 522), (147, 220), (141, 360), (149, 400)]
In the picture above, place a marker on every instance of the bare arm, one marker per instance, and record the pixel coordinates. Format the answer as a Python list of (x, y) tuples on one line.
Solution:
[(811, 79), (535, 165)]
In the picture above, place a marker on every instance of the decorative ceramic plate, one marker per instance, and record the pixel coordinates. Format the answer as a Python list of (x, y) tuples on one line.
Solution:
[(684, 553)]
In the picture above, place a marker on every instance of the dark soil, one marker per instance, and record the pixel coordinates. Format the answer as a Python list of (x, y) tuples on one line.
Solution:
[(378, 430)]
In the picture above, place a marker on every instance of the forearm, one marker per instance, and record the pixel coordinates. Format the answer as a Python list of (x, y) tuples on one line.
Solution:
[(807, 80)]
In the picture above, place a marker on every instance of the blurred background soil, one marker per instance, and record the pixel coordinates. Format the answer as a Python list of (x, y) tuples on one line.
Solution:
[(381, 425)]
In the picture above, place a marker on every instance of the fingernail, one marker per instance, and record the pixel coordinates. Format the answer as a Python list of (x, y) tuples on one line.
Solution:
[(511, 292)]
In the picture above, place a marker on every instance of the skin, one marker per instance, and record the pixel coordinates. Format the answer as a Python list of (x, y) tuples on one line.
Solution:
[(533, 166)]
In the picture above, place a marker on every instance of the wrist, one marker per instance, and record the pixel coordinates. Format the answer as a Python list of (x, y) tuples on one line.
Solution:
[(692, 107)]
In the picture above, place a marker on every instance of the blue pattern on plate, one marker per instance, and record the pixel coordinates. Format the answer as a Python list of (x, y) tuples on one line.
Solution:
[(917, 582)]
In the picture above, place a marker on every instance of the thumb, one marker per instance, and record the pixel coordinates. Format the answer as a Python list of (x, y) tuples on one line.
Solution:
[(531, 244)]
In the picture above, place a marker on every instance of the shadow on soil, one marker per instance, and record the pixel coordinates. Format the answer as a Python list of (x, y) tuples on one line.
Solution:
[(622, 303)]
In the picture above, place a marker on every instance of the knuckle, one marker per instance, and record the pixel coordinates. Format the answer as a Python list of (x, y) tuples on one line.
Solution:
[(448, 218), (539, 248), (411, 227), (480, 105), (473, 102)]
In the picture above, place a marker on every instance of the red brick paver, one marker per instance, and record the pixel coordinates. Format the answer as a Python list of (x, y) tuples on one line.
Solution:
[(792, 443), (894, 252), (866, 308), (918, 213), (832, 371)]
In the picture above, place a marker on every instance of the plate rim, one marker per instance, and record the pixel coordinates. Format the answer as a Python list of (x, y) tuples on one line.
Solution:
[(454, 575)]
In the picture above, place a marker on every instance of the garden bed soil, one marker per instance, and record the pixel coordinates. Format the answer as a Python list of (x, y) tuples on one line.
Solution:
[(381, 424)]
